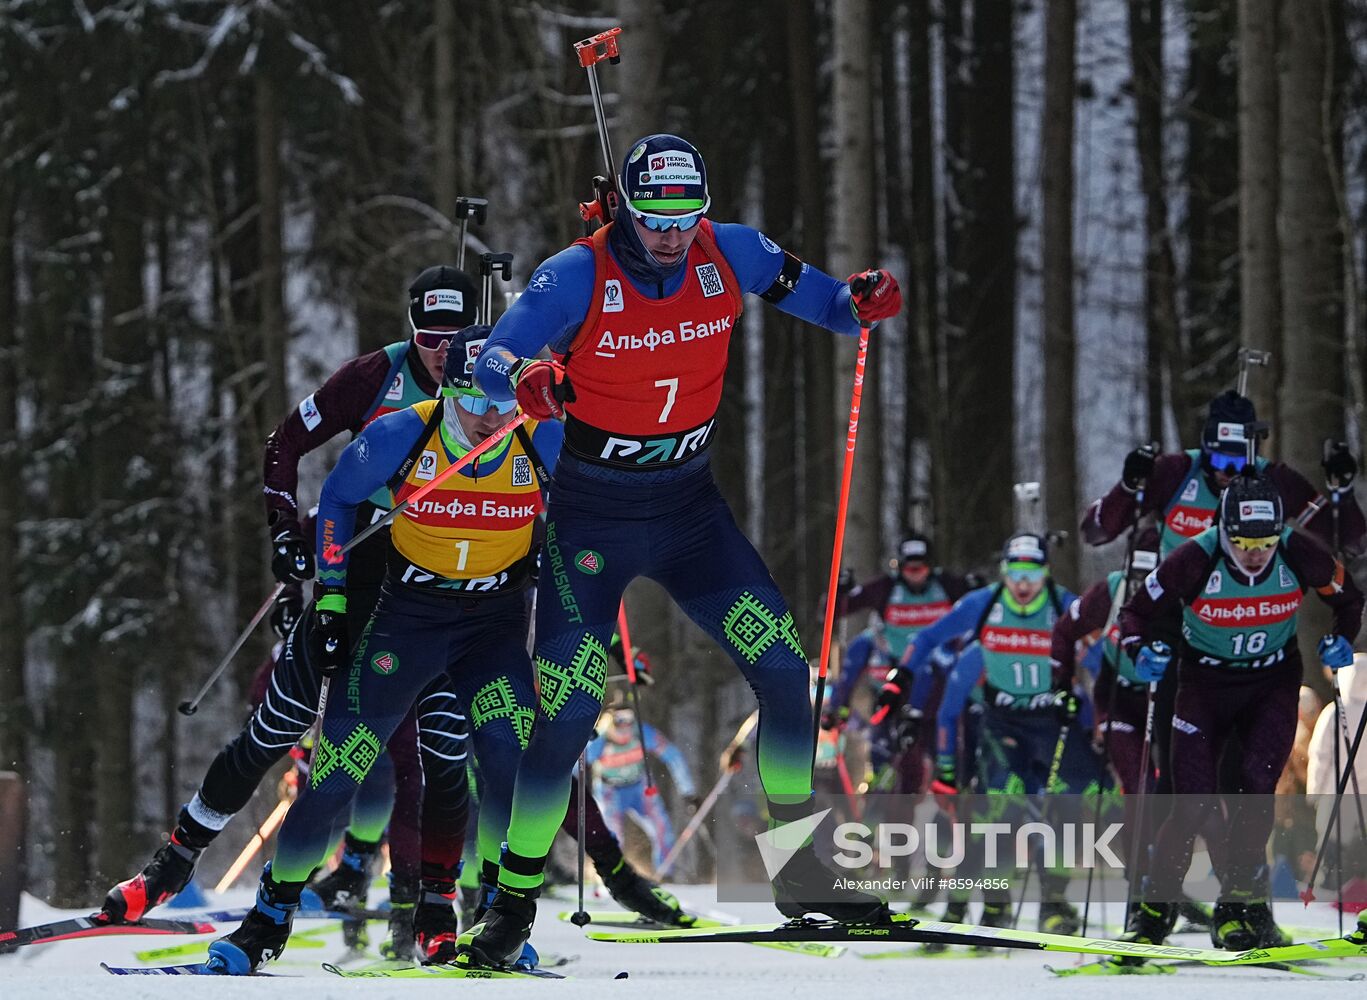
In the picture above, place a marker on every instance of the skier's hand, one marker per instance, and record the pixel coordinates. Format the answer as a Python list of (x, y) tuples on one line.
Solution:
[(1336, 652), (328, 643), (291, 559), (1066, 706), (1339, 465), (642, 664), (874, 296), (889, 697), (834, 718), (1152, 661), (1138, 466), (542, 388), (286, 613), (909, 724)]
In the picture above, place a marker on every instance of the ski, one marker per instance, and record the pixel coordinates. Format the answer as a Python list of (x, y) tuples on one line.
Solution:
[(1112, 969), (903, 928), (83, 927), (197, 969), (626, 919), (340, 913), (451, 971), (299, 939)]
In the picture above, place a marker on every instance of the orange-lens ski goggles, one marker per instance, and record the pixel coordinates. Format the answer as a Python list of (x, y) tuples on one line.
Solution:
[(1255, 544)]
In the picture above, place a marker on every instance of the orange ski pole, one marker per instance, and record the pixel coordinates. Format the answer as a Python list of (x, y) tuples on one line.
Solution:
[(842, 508), (629, 658)]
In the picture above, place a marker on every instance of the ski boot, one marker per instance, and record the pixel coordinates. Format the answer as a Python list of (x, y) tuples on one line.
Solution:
[(498, 939), (1058, 916), (805, 885), (955, 913), (1359, 936), (402, 905), (262, 935), (434, 928), (347, 886), (1269, 934), (637, 893), (169, 871), (1148, 923), (1232, 926)]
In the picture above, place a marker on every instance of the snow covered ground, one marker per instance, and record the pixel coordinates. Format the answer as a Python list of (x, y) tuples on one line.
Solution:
[(70, 970)]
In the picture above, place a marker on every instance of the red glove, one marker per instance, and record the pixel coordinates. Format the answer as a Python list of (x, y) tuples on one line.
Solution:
[(874, 295), (542, 388)]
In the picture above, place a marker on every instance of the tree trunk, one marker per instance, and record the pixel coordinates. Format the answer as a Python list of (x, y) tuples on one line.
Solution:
[(1166, 355), (445, 174), (1260, 281), (1060, 339), (981, 237), (1312, 391), (854, 248), (640, 110), (124, 458), (925, 399), (815, 465), (1212, 219), (14, 705), (269, 192)]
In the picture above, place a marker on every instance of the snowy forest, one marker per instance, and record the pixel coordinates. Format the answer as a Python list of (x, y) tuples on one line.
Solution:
[(207, 205)]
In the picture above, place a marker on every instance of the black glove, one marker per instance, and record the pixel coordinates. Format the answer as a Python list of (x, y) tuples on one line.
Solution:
[(291, 559), (328, 642), (1339, 465), (845, 582), (833, 718), (890, 696), (908, 726), (1138, 466), (1065, 705), (286, 613)]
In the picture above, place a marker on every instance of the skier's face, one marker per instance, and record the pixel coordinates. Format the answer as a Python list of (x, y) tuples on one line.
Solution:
[(434, 358), (1024, 581), (478, 427), (669, 247), (915, 574), (1252, 555)]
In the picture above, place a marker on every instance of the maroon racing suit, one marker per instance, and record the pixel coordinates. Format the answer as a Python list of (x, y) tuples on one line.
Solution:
[(1219, 699)]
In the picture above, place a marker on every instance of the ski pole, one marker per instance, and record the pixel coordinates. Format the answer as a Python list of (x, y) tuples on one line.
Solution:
[(489, 264), (629, 658), (191, 706), (1141, 792), (856, 394), (254, 845), (580, 917), (592, 51), (467, 209), (1308, 896), (333, 553), (729, 768)]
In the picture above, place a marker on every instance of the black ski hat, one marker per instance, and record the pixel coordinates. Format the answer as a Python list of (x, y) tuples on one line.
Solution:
[(442, 297), (914, 548), (1251, 507), (459, 371), (1225, 420)]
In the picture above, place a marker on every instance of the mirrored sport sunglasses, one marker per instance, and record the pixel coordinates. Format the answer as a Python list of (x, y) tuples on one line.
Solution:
[(1024, 574), (1254, 544), (477, 404), (430, 339), (1222, 461), (664, 223)]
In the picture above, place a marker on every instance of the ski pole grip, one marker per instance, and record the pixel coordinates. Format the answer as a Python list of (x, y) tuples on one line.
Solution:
[(603, 45)]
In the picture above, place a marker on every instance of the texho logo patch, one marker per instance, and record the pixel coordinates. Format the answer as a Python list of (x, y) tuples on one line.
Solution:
[(589, 562), (777, 846), (384, 663)]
